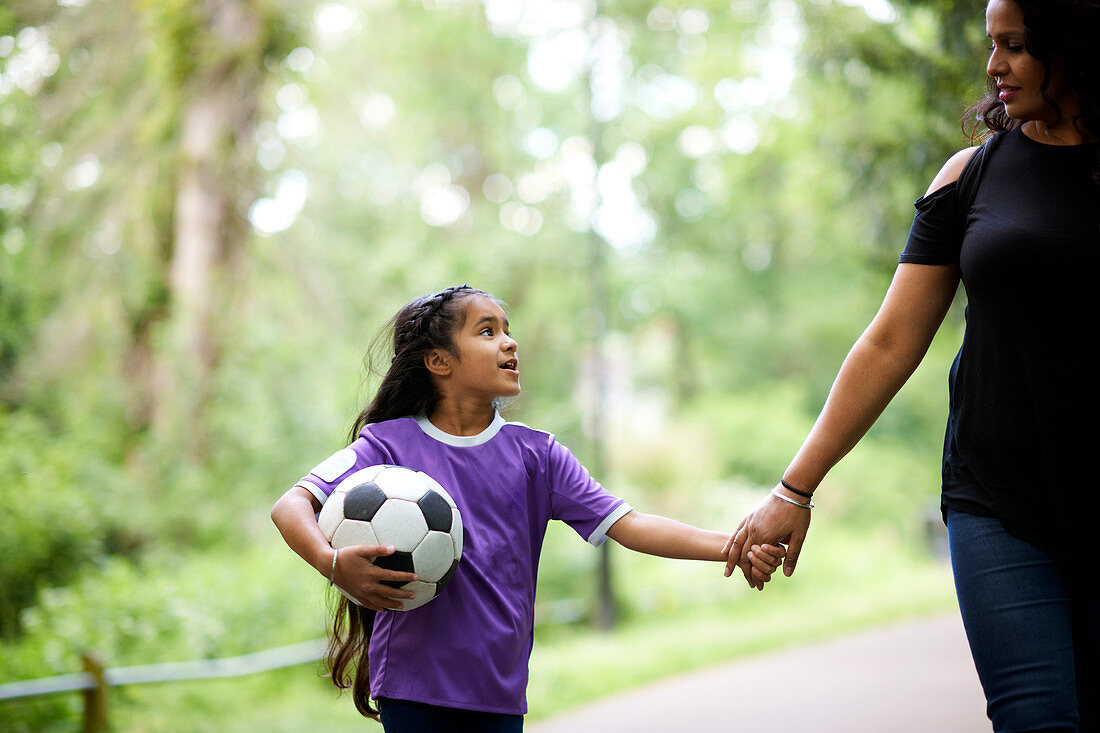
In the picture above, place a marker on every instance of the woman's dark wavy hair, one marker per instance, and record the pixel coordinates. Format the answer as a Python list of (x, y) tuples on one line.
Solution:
[(424, 323), (1062, 35)]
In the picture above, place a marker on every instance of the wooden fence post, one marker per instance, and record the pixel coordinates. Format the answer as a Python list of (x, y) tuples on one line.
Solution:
[(95, 699)]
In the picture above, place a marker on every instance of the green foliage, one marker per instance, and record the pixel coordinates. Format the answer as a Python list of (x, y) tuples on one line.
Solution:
[(676, 616), (53, 523), (775, 230), (186, 607), (173, 33), (168, 607)]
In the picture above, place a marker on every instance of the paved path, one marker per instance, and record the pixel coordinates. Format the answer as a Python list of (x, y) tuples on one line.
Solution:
[(914, 677)]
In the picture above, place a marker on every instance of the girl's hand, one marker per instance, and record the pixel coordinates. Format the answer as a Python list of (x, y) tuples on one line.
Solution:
[(762, 560), (357, 575), (765, 559), (773, 522)]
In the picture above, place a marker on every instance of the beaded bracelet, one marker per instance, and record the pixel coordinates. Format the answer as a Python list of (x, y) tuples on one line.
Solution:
[(789, 500), (332, 574), (793, 490)]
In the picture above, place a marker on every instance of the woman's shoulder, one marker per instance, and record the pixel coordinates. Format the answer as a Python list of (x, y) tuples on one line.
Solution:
[(952, 169)]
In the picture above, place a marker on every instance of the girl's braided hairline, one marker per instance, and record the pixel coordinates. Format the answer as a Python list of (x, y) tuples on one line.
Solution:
[(433, 303), (428, 307)]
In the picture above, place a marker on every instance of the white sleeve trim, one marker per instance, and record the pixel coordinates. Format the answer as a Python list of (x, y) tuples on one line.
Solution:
[(600, 533), (313, 489), (335, 465)]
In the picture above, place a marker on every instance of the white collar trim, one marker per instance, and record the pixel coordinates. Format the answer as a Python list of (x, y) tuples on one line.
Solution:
[(462, 441)]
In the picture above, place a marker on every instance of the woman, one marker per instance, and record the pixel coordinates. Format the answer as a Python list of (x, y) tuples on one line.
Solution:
[(1023, 236)]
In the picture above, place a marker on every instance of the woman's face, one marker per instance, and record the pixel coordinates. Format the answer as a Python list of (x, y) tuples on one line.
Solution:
[(1018, 74)]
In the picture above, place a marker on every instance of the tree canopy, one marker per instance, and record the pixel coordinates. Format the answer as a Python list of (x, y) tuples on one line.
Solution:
[(208, 209)]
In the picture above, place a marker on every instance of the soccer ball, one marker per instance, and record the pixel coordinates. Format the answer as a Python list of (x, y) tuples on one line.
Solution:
[(392, 505)]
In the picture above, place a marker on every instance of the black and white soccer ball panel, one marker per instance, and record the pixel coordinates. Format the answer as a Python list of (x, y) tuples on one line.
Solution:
[(332, 514), (351, 532), (399, 523), (391, 505), (456, 532), (434, 556), (401, 483), (438, 489), (362, 476)]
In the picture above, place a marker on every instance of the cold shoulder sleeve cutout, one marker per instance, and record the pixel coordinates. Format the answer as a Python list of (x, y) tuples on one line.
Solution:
[(937, 230)]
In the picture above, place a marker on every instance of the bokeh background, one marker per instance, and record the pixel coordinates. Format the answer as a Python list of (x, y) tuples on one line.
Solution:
[(209, 208)]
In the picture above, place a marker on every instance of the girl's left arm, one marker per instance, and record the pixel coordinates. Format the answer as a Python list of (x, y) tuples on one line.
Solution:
[(664, 537)]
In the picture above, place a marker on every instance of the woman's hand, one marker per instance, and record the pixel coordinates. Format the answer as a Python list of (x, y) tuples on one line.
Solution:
[(359, 577), (772, 522)]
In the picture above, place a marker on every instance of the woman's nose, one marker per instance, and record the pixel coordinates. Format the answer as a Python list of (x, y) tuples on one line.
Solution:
[(996, 65)]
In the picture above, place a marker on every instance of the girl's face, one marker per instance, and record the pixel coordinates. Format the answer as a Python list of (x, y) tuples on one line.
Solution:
[(1018, 74), (485, 364)]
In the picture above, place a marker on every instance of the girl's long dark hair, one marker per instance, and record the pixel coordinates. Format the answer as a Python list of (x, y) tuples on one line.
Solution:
[(1061, 34), (346, 655), (425, 323)]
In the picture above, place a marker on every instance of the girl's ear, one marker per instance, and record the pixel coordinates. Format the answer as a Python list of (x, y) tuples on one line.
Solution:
[(438, 362)]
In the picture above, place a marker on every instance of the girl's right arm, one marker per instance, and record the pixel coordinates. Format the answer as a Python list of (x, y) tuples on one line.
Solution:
[(653, 534), (295, 514)]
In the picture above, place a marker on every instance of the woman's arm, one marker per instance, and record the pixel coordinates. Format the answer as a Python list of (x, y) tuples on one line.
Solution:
[(295, 516), (875, 369), (880, 362), (882, 359)]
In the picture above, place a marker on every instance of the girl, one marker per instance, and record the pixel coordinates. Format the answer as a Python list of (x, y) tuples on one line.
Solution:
[(1019, 230), (460, 662)]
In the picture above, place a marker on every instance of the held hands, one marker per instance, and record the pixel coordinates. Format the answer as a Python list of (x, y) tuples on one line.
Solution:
[(762, 561), (772, 522), (355, 573)]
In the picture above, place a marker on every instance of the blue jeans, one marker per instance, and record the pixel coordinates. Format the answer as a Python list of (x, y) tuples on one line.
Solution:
[(405, 716), (1033, 623)]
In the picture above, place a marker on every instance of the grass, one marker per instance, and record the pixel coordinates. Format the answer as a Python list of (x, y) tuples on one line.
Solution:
[(678, 616)]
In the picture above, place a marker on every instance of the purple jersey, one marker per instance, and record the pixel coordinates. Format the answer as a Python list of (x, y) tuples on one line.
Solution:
[(469, 647)]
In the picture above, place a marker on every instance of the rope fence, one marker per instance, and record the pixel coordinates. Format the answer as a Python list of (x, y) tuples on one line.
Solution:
[(95, 679)]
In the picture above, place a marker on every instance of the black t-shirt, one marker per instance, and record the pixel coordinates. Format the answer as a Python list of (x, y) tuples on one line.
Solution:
[(1024, 394)]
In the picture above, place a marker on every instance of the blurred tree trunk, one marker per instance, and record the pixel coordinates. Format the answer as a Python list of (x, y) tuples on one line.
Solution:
[(606, 607), (684, 377), (215, 176), (156, 102)]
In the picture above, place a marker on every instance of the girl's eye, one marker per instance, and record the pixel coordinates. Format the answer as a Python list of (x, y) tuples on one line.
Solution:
[(487, 331)]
